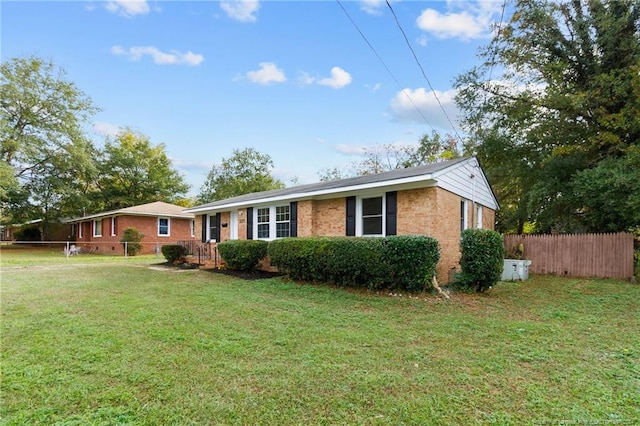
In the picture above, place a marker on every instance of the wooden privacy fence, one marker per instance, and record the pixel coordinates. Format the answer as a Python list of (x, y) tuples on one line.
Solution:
[(578, 255)]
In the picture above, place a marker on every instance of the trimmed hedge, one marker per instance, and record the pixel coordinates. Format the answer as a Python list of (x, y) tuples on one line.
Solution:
[(242, 255), (397, 262), (174, 252), (482, 259)]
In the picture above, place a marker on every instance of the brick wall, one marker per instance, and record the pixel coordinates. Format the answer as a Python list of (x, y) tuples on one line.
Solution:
[(180, 229), (433, 211), (329, 217)]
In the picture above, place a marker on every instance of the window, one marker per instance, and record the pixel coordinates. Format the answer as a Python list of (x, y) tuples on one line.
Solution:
[(263, 222), (97, 228), (163, 227), (463, 215), (113, 226), (273, 222), (193, 228), (282, 221), (372, 216), (80, 230)]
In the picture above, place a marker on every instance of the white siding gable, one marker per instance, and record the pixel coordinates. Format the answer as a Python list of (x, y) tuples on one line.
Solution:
[(458, 180)]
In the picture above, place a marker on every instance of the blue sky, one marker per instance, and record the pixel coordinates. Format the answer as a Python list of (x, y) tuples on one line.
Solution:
[(294, 80)]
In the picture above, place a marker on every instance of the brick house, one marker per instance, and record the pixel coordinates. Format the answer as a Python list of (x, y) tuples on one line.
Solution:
[(161, 223), (439, 200)]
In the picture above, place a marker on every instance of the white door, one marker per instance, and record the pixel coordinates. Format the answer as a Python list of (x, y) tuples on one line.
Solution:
[(234, 225)]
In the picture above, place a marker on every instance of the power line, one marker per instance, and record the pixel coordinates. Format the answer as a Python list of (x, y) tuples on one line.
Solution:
[(385, 65), (424, 74), (493, 54)]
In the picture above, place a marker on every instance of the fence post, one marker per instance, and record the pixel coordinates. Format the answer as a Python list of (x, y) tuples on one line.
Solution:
[(67, 250), (126, 249)]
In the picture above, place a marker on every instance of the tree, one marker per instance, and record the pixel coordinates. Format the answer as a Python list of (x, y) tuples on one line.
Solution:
[(246, 171), (383, 158), (567, 97), (44, 153), (133, 171)]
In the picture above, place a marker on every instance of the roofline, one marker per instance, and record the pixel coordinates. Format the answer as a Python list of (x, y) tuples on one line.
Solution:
[(318, 193), (128, 213)]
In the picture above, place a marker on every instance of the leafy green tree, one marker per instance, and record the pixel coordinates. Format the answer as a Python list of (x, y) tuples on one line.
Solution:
[(46, 159), (558, 92), (133, 171), (246, 171)]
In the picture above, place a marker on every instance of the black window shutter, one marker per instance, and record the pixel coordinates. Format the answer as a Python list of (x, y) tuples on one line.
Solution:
[(204, 228), (250, 223), (217, 229), (392, 206), (293, 219), (351, 216), (114, 231)]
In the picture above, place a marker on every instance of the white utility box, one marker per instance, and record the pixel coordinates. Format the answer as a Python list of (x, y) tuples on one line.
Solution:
[(515, 270)]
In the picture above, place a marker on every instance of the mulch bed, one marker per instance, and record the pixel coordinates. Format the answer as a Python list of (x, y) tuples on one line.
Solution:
[(245, 275)]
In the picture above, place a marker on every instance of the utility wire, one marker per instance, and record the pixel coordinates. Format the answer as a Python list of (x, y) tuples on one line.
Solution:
[(424, 74), (493, 54), (385, 65)]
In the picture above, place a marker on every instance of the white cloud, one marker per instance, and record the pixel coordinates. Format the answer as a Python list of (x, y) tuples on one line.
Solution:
[(372, 7), (135, 53), (339, 79), (128, 8), (422, 40), (241, 10), (373, 88), (403, 109), (267, 74), (464, 20), (351, 149), (305, 79), (106, 129)]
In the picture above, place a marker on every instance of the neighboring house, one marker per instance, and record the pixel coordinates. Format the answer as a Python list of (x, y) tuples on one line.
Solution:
[(439, 200), (161, 223), (54, 231)]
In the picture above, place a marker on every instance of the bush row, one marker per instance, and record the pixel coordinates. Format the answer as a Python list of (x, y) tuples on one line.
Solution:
[(243, 255), (394, 263)]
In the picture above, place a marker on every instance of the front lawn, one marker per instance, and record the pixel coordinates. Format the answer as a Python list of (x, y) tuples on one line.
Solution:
[(119, 342)]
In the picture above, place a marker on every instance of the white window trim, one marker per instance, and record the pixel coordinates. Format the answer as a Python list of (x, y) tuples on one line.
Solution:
[(272, 222), (113, 226), (233, 225), (192, 228), (359, 218), (168, 234), (80, 230), (465, 216), (95, 228)]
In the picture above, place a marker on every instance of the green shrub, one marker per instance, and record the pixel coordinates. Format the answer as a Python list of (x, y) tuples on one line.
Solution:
[(411, 261), (405, 263), (28, 234), (481, 260), (132, 238), (174, 252), (242, 255)]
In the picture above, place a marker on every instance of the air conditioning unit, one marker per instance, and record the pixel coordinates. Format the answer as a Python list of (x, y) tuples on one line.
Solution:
[(515, 270)]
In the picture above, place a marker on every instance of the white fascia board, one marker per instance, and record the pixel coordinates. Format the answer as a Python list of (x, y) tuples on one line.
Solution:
[(121, 213), (405, 183)]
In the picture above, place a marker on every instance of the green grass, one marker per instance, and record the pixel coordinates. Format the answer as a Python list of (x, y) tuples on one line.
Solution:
[(116, 342)]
